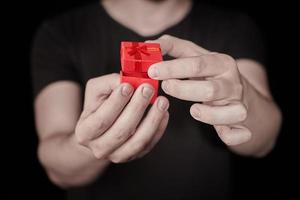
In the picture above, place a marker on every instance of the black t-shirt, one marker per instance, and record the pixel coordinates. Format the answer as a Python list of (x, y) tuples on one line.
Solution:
[(190, 161)]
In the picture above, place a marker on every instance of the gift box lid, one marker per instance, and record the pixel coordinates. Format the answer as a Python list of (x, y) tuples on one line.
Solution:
[(139, 56)]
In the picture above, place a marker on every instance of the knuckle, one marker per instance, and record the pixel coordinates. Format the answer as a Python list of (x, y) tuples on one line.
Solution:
[(154, 120), (103, 124), (197, 65), (116, 159), (138, 146), (86, 112), (89, 127), (211, 90), (122, 134), (166, 37), (131, 158), (138, 106), (189, 43), (115, 75), (98, 153), (227, 60), (81, 139), (80, 136), (138, 103), (90, 84)]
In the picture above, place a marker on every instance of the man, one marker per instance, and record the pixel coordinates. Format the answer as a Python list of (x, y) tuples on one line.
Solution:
[(101, 144)]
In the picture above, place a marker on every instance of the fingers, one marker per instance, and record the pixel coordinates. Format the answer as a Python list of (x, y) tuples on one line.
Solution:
[(233, 135), (154, 123), (196, 90), (99, 121), (97, 89), (219, 115), (207, 65), (159, 133), (178, 48), (225, 120), (219, 82), (125, 125)]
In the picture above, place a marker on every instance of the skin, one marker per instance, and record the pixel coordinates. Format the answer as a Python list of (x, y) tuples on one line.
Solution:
[(134, 14), (76, 145), (232, 95)]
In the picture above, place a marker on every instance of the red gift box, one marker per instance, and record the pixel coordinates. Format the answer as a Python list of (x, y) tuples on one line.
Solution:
[(136, 58)]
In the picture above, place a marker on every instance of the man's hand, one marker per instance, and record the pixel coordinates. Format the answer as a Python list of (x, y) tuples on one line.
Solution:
[(213, 81), (111, 123)]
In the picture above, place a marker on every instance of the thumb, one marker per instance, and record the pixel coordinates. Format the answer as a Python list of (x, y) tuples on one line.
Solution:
[(99, 88), (177, 47)]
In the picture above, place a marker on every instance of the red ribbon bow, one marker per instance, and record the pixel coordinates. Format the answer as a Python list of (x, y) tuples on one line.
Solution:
[(137, 51)]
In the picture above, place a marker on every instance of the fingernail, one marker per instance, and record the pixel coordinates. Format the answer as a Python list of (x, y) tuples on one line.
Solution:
[(126, 90), (153, 72), (165, 85), (147, 92), (162, 104), (195, 112), (245, 137)]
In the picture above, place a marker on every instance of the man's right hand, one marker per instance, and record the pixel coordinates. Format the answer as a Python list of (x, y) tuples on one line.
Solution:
[(112, 124)]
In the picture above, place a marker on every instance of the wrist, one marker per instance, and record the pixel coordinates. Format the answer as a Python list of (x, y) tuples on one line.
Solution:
[(74, 165), (86, 153)]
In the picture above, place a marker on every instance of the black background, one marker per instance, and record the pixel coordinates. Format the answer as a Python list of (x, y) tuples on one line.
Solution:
[(273, 177)]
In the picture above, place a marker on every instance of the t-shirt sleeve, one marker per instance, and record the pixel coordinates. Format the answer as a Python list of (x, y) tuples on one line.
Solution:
[(51, 58), (245, 40)]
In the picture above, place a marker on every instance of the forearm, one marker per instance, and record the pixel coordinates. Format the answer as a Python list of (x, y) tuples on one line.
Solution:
[(67, 163), (264, 121)]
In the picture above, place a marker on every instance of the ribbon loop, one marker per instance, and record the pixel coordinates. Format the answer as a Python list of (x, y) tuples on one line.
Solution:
[(137, 51)]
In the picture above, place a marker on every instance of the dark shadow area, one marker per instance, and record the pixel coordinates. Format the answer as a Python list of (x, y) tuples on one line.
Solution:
[(272, 177)]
